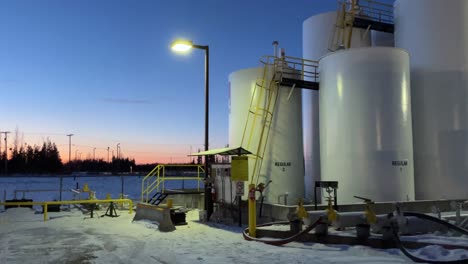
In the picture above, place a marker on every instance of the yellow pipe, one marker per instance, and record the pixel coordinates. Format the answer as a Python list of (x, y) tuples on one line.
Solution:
[(45, 204), (252, 211)]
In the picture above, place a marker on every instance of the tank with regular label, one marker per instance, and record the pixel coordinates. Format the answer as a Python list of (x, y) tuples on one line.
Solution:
[(319, 35), (365, 124), (283, 159), (435, 34)]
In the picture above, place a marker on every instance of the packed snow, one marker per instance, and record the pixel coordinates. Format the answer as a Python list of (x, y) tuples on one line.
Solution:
[(73, 237)]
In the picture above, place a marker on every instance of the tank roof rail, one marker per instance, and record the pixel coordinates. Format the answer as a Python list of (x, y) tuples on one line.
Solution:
[(369, 14), (294, 71)]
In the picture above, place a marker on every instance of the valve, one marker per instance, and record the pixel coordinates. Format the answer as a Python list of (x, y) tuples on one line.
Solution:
[(369, 212), (301, 211), (331, 213)]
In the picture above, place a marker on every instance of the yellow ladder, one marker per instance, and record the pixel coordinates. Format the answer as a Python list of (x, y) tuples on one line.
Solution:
[(343, 30), (262, 106)]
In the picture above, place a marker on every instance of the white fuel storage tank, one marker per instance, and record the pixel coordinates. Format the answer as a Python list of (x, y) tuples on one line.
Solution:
[(365, 124), (318, 33), (283, 160), (435, 33)]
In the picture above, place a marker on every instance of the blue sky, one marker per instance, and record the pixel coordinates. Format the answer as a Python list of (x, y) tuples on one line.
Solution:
[(103, 69)]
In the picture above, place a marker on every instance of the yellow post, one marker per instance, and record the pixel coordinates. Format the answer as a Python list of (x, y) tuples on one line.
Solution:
[(130, 205), (45, 211), (169, 202), (252, 211)]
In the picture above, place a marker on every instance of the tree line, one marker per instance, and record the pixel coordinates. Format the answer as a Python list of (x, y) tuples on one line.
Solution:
[(45, 159)]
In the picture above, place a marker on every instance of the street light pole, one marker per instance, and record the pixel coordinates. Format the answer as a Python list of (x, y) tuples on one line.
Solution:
[(184, 46), (69, 164)]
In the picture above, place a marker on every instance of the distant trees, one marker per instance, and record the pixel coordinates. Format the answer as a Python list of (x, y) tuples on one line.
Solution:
[(35, 159), (99, 165)]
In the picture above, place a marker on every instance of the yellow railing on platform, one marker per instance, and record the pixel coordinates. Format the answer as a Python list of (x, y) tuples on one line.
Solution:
[(47, 203), (155, 179)]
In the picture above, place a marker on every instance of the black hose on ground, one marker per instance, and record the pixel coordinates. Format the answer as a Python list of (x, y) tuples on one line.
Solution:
[(279, 242), (397, 240)]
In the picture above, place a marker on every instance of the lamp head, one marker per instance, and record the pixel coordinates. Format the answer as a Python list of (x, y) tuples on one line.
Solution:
[(181, 45)]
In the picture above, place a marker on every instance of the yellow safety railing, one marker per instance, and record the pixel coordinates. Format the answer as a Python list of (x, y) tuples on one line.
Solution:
[(155, 179), (46, 204), (293, 68), (348, 11), (369, 10)]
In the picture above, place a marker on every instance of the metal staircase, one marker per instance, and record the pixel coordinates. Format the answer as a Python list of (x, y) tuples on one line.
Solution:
[(365, 14), (157, 198), (277, 73), (153, 185)]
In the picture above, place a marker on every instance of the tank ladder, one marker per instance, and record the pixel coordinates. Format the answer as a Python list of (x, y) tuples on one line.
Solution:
[(365, 14), (277, 72), (262, 106)]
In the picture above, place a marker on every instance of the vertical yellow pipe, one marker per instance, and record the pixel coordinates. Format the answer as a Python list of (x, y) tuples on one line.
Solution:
[(252, 211)]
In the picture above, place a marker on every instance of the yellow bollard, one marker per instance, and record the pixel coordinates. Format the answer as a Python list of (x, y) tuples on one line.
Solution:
[(252, 211), (130, 205), (108, 196), (86, 188), (45, 212), (169, 202)]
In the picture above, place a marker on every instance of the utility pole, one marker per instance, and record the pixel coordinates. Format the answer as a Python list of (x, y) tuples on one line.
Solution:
[(6, 149), (108, 148), (69, 164), (118, 150), (69, 147), (121, 176)]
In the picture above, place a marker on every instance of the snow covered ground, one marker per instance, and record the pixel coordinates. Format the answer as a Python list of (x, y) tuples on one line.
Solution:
[(71, 237)]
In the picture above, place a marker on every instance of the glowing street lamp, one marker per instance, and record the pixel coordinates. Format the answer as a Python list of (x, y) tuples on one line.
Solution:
[(184, 46), (181, 45)]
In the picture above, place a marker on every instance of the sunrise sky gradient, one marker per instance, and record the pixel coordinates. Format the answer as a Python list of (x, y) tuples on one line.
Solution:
[(103, 70)]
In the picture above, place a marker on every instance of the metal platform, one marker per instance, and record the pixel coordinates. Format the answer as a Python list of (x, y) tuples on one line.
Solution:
[(364, 23), (184, 191), (300, 84)]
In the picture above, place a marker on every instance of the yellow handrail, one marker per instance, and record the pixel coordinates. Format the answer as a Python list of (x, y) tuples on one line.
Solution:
[(47, 203), (155, 180)]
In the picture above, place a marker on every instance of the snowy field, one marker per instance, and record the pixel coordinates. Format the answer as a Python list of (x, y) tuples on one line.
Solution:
[(71, 237)]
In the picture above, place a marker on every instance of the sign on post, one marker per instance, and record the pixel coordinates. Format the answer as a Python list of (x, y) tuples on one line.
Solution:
[(239, 168), (239, 188)]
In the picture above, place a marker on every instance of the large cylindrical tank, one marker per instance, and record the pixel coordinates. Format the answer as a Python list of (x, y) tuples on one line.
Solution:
[(435, 33), (365, 124), (317, 35), (283, 160)]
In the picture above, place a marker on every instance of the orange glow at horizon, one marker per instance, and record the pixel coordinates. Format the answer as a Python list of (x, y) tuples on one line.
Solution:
[(83, 149)]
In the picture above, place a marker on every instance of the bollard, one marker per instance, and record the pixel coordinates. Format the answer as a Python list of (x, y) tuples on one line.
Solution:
[(169, 202)]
